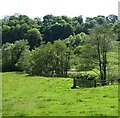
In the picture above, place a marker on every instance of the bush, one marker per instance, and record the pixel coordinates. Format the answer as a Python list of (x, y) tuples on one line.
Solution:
[(11, 53), (84, 67)]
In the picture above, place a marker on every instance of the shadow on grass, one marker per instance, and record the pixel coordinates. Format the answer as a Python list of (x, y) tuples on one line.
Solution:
[(18, 72)]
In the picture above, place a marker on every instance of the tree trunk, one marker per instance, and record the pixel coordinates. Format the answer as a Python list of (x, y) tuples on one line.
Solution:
[(67, 64), (74, 83), (104, 68), (104, 63), (100, 63)]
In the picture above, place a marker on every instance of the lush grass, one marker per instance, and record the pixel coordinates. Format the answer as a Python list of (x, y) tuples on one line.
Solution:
[(25, 95)]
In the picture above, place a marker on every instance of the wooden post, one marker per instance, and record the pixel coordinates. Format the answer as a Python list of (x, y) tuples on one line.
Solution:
[(94, 82), (74, 83)]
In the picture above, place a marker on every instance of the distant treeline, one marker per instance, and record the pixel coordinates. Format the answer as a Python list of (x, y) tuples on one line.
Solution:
[(54, 45), (50, 28)]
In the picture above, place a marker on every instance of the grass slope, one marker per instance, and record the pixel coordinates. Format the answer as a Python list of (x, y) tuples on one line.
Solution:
[(25, 95)]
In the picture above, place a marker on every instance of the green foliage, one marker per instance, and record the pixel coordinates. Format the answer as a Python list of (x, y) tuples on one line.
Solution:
[(50, 59), (116, 29), (51, 27), (23, 63), (7, 61), (88, 57), (57, 31), (34, 37), (50, 56), (15, 27), (42, 60), (75, 54), (101, 38), (11, 53), (112, 18)]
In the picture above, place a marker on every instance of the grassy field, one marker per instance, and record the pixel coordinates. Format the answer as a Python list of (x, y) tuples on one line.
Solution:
[(25, 95)]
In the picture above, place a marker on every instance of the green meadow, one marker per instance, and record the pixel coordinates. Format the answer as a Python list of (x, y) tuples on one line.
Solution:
[(24, 95)]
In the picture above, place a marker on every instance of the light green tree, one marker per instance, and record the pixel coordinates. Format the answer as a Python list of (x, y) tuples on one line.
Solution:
[(11, 53), (101, 41)]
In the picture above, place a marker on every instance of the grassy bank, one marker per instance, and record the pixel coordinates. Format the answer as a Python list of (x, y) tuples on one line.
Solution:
[(25, 95)]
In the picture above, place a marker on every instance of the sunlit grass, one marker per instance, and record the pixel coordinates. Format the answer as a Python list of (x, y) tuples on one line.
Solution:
[(25, 95)]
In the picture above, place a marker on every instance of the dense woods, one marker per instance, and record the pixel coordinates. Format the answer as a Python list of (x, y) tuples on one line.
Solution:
[(54, 45)]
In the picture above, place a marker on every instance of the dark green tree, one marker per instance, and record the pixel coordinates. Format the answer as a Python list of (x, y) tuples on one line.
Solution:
[(34, 37)]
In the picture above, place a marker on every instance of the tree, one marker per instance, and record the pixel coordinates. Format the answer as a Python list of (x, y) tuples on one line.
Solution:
[(112, 18), (116, 29), (100, 19), (24, 62), (73, 48), (11, 53), (34, 37), (21, 30), (87, 56), (85, 27), (79, 19), (101, 39), (61, 58), (50, 59), (57, 31), (43, 60), (14, 27), (5, 33), (7, 61)]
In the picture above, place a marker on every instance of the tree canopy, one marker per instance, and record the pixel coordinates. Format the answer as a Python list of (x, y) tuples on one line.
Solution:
[(56, 44)]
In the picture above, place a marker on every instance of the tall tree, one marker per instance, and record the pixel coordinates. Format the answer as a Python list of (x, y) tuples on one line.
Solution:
[(61, 58), (101, 38)]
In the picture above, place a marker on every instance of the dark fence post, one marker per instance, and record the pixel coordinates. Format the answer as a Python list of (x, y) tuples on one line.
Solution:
[(94, 82), (74, 83)]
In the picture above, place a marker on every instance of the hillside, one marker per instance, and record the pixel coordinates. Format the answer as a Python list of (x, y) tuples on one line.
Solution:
[(25, 95)]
